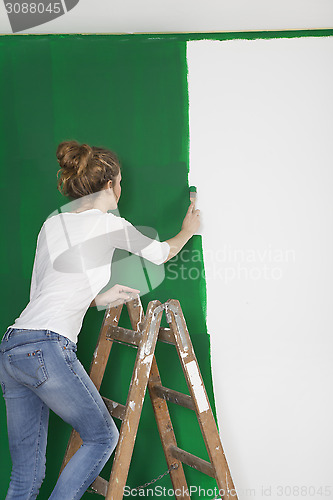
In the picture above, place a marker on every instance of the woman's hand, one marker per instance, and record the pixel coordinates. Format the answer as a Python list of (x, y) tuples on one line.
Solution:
[(191, 220), (190, 226), (116, 295)]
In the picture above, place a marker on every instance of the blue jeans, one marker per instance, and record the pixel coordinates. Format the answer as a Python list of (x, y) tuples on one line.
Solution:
[(39, 370)]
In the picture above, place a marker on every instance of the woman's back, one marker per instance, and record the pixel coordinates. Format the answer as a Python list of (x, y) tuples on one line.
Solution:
[(73, 263)]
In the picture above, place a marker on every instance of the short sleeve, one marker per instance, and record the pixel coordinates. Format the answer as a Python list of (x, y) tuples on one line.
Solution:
[(125, 236)]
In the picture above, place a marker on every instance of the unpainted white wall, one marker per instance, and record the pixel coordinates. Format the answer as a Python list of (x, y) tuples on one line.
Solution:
[(261, 128)]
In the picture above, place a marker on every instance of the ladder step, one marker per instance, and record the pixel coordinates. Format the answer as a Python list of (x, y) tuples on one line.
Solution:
[(193, 461), (166, 335), (124, 335), (117, 410), (173, 396), (100, 486), (132, 337)]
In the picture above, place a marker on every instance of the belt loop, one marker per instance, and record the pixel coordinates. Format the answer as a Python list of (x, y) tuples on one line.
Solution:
[(7, 333)]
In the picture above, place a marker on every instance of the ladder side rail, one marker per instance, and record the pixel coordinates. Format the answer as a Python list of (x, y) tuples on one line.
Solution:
[(198, 392), (166, 432), (135, 398)]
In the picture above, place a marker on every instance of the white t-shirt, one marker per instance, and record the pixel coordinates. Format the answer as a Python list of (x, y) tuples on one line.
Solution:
[(73, 263)]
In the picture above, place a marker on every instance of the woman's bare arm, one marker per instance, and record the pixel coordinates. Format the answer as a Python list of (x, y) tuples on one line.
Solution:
[(190, 226), (98, 301), (177, 242), (118, 294)]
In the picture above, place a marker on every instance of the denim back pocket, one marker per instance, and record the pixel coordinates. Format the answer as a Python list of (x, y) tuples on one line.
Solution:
[(68, 348), (28, 368)]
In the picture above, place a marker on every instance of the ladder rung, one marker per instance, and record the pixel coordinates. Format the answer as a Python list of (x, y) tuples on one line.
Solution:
[(166, 335), (117, 410), (193, 461), (124, 335), (100, 486), (132, 337), (174, 396)]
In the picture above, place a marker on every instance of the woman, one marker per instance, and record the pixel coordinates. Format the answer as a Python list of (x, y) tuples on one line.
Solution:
[(39, 369)]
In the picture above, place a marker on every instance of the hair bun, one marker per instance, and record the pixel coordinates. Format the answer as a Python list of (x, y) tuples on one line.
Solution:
[(85, 169), (73, 156)]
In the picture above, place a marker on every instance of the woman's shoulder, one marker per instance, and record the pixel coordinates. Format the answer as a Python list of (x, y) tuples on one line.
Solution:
[(117, 219)]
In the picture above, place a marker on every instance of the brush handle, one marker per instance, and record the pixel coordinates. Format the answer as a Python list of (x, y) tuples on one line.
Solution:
[(193, 194), (193, 197)]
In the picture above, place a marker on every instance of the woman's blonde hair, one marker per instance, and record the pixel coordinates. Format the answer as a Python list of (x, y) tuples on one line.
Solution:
[(84, 169)]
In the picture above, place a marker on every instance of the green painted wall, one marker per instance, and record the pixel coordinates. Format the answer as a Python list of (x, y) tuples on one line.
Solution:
[(127, 93)]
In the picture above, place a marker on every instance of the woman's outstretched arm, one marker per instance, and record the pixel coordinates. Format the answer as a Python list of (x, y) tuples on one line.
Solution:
[(190, 226), (177, 242), (115, 295)]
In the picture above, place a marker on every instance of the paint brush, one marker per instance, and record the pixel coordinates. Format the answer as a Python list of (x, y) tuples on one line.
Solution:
[(193, 194), (193, 197)]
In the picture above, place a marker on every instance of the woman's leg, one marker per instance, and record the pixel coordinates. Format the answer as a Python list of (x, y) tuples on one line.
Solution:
[(50, 368), (85, 411), (27, 423)]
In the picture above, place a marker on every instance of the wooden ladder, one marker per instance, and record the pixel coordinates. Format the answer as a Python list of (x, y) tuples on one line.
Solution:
[(145, 332)]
